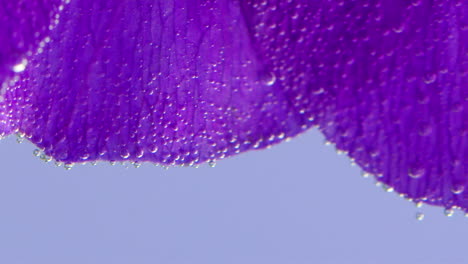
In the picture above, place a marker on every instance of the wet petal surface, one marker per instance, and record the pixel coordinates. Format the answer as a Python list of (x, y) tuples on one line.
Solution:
[(386, 81), (24, 25), (174, 82), (179, 82)]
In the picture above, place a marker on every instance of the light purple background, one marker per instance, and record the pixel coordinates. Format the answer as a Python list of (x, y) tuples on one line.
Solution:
[(298, 202)]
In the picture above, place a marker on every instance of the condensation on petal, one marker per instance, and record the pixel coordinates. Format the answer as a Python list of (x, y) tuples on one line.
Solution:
[(24, 25), (386, 81), (173, 82), (184, 81)]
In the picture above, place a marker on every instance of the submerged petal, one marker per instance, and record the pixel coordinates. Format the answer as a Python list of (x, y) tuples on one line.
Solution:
[(386, 81), (173, 82), (183, 81), (23, 26)]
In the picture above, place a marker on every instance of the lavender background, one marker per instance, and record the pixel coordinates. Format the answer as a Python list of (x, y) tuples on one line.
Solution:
[(298, 202)]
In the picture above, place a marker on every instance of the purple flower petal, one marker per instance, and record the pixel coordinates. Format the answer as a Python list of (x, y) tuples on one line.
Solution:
[(173, 82), (386, 81), (24, 24), (180, 82)]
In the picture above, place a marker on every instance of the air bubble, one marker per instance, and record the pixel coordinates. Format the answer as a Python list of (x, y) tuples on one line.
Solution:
[(399, 28), (458, 188), (430, 78), (45, 157), (212, 163), (416, 172), (20, 67), (68, 166), (365, 174), (448, 212), (269, 79), (419, 216), (387, 188), (37, 152), (125, 154)]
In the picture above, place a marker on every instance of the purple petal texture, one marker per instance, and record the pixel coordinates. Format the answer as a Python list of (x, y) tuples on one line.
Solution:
[(183, 82), (24, 25), (174, 82)]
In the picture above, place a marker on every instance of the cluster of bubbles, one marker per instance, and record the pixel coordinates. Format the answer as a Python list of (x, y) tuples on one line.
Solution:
[(414, 174), (69, 165)]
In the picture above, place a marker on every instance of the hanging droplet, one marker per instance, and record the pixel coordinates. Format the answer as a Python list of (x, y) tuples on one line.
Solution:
[(20, 67), (387, 188), (419, 216), (68, 166), (20, 138), (45, 158), (341, 152), (448, 212), (212, 163), (365, 174), (37, 152)]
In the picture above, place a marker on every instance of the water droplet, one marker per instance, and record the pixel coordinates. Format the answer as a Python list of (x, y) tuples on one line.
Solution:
[(419, 216), (268, 78), (387, 188), (153, 148), (430, 78), (20, 67), (84, 156), (416, 172), (20, 140), (37, 152), (212, 163), (448, 212), (399, 28), (458, 188), (365, 174), (45, 158), (124, 154), (341, 152)]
